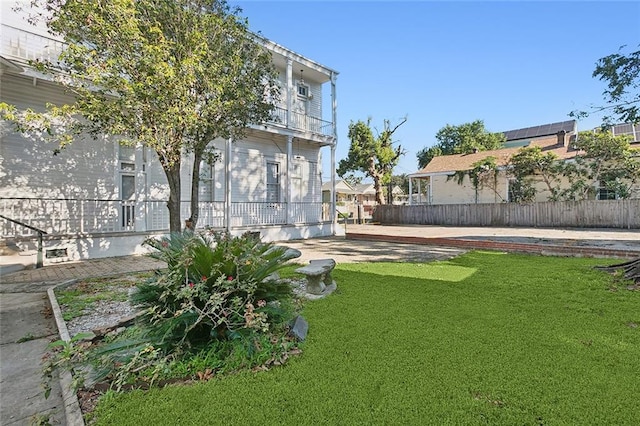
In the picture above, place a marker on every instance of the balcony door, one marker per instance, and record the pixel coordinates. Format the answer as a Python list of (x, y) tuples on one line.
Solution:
[(127, 160)]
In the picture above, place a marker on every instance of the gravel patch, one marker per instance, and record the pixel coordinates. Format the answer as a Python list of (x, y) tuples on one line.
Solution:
[(103, 313)]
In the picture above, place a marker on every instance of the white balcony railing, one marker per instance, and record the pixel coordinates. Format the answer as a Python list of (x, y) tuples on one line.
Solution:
[(28, 46), (74, 216), (302, 122)]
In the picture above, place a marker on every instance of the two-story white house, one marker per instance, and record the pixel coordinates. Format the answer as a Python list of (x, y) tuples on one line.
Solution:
[(98, 198)]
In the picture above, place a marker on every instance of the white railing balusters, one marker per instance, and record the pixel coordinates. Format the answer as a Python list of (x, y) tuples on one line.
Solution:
[(74, 216)]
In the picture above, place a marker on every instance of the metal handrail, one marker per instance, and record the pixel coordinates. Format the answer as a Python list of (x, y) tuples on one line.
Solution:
[(39, 260)]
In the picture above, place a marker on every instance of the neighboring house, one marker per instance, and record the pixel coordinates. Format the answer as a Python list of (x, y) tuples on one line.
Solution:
[(344, 193), (366, 194), (399, 196), (98, 198), (352, 199), (437, 184)]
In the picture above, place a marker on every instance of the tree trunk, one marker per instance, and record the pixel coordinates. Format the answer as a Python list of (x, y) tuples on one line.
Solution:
[(195, 188), (377, 177), (172, 172)]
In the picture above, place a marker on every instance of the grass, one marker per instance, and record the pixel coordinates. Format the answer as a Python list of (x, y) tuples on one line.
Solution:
[(484, 338)]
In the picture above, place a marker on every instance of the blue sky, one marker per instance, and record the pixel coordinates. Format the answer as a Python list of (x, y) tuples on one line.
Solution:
[(511, 64)]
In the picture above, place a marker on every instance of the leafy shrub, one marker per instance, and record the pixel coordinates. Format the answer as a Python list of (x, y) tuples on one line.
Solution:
[(216, 287)]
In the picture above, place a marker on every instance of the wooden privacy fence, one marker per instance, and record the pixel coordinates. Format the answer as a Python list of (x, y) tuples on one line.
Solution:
[(582, 214)]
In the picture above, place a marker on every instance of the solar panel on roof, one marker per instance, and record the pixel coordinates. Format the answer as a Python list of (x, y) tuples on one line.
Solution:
[(538, 131)]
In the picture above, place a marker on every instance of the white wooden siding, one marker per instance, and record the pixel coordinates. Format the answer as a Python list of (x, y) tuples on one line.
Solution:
[(314, 105), (28, 168)]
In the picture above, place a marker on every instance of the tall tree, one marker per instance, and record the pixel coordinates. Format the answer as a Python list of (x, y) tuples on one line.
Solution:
[(462, 139), (375, 156), (171, 75), (621, 72)]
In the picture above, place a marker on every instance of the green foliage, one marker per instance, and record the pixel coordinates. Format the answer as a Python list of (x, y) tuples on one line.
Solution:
[(216, 287), (67, 355), (528, 165), (375, 156), (462, 139), (78, 298), (621, 72), (484, 338), (603, 159), (169, 74), (26, 338), (483, 174)]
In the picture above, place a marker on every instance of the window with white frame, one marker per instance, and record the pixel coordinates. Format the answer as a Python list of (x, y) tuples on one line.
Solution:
[(303, 90), (296, 182), (273, 182), (206, 182), (605, 192)]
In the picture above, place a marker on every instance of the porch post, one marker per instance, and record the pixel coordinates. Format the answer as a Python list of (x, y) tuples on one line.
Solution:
[(410, 191), (289, 91), (334, 118), (227, 185), (288, 189)]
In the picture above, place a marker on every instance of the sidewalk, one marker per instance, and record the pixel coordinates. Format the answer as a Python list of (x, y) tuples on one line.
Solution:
[(26, 329)]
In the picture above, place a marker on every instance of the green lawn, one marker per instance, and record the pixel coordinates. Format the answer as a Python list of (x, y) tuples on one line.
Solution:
[(485, 338)]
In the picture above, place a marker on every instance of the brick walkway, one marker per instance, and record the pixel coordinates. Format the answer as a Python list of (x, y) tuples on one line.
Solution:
[(35, 280)]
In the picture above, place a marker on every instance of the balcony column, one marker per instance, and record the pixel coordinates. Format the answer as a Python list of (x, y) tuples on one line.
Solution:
[(289, 91), (227, 185), (288, 189), (334, 119)]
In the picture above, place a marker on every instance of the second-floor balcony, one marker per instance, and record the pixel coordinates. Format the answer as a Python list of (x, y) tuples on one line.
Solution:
[(302, 122), (21, 46)]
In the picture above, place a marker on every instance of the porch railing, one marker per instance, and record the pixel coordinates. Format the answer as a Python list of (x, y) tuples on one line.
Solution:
[(74, 216)]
